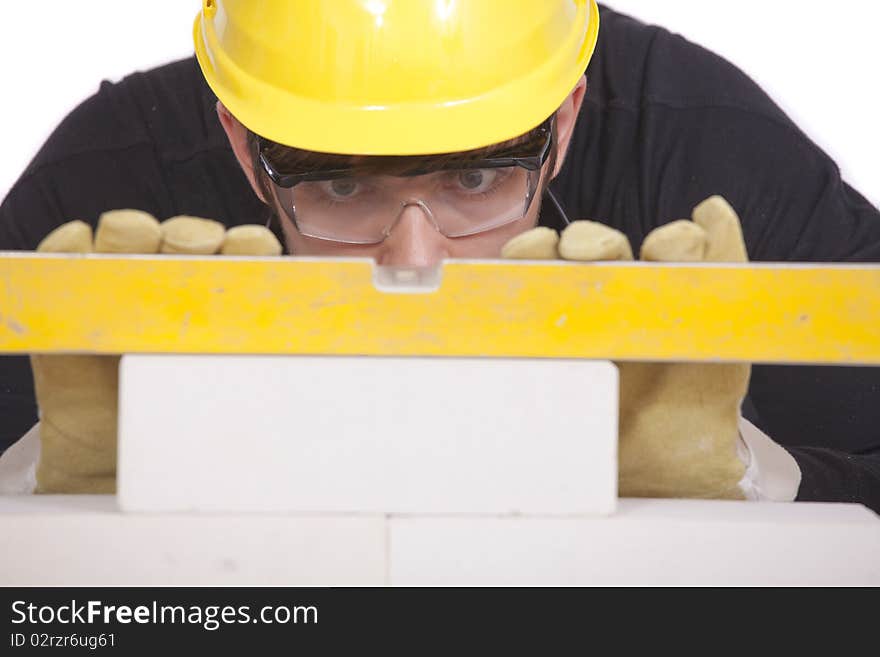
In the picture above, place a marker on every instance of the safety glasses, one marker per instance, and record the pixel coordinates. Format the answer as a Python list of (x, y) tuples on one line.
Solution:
[(359, 200)]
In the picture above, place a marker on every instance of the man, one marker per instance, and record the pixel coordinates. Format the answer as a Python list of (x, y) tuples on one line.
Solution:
[(660, 126)]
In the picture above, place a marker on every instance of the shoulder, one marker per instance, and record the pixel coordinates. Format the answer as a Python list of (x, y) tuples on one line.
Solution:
[(166, 109), (666, 123), (639, 65), (150, 141)]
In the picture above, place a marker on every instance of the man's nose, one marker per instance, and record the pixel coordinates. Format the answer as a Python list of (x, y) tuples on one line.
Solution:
[(414, 240)]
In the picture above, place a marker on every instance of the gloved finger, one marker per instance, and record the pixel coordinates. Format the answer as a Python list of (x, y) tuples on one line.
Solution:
[(724, 230), (680, 241), (250, 240), (185, 235), (536, 244), (589, 241), (72, 237), (127, 231)]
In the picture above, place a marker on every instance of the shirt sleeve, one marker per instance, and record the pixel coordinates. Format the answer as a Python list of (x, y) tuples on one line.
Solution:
[(28, 213), (88, 164), (830, 475), (795, 207), (665, 125)]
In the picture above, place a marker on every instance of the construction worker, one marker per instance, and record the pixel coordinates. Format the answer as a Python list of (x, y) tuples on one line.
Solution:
[(412, 132)]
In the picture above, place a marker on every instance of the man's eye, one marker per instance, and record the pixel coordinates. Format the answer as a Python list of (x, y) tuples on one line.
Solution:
[(342, 188), (476, 180)]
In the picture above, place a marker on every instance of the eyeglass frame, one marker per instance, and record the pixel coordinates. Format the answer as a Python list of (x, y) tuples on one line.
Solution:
[(531, 163)]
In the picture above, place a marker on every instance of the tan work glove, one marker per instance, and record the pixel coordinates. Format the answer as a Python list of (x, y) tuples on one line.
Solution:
[(77, 395), (678, 427)]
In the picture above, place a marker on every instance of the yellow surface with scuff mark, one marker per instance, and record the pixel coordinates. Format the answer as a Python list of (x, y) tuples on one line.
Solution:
[(635, 311)]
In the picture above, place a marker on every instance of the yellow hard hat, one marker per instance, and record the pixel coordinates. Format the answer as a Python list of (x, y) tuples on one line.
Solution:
[(394, 77)]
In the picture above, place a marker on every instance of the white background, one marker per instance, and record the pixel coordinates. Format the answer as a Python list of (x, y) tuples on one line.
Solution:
[(818, 60)]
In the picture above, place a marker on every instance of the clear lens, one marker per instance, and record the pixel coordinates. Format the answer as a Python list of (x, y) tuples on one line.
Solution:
[(363, 209)]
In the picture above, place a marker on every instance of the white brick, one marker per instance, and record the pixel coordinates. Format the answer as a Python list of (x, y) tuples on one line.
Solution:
[(648, 542), (86, 541), (367, 435)]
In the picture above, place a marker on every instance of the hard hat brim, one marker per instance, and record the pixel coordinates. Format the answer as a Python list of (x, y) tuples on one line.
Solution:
[(402, 128)]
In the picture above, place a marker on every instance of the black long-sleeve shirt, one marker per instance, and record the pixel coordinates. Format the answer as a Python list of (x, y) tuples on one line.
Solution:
[(664, 125)]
